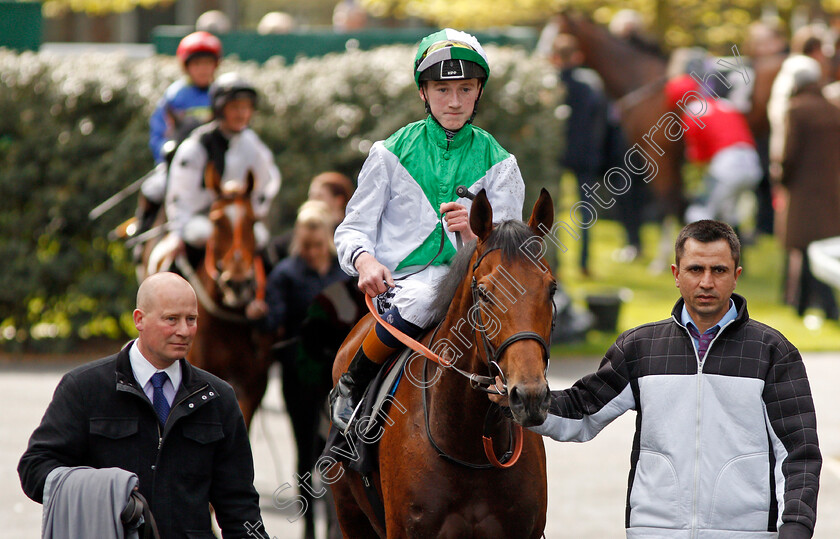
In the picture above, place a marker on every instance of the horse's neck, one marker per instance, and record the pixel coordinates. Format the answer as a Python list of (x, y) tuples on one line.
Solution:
[(622, 66), (457, 335)]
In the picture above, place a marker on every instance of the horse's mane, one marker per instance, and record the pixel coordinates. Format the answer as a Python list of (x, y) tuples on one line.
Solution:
[(508, 236)]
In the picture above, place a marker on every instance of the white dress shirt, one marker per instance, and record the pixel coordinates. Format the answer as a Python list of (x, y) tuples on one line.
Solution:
[(143, 372)]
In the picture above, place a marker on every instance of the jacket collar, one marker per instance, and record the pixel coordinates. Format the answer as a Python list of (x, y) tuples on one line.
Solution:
[(740, 306), (125, 376), (437, 134)]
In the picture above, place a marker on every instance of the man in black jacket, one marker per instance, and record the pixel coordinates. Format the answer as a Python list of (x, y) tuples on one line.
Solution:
[(148, 411)]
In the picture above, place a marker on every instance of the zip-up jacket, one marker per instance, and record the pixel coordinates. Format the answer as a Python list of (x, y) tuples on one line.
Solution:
[(100, 417), (394, 213), (724, 448)]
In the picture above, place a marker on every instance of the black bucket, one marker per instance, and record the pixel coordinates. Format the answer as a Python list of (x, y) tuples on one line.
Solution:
[(605, 309)]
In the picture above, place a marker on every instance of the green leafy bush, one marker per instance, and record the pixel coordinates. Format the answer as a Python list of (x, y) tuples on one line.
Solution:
[(73, 131)]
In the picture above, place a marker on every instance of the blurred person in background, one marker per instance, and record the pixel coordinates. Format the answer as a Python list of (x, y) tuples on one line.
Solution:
[(806, 47), (276, 22), (234, 150), (332, 188), (291, 289), (184, 106), (310, 267), (213, 21), (723, 143), (810, 180), (586, 124)]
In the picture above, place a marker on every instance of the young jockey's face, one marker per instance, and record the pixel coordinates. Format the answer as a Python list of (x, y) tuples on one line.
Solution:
[(236, 114), (452, 101), (201, 69)]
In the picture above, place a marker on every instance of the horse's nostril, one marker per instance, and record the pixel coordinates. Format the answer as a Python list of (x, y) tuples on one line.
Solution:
[(515, 396)]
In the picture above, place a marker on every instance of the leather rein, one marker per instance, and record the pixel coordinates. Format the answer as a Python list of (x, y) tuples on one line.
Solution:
[(479, 382)]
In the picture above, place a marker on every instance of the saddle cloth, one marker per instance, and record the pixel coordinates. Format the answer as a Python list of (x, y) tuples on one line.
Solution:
[(357, 447)]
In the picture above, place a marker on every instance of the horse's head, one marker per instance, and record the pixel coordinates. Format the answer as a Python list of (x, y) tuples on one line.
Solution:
[(231, 259), (512, 290)]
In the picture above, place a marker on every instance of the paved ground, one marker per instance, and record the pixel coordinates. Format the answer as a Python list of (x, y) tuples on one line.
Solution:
[(587, 482)]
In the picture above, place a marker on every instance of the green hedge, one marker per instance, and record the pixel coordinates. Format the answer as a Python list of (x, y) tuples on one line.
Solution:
[(73, 131)]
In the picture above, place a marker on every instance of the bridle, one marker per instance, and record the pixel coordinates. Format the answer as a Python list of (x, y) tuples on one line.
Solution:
[(492, 354), (482, 383), (211, 264), (212, 269)]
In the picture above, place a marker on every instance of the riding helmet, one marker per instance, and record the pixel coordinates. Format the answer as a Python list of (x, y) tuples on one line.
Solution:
[(228, 87), (450, 55), (199, 44)]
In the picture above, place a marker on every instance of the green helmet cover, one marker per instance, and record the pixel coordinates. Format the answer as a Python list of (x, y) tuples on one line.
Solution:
[(449, 44)]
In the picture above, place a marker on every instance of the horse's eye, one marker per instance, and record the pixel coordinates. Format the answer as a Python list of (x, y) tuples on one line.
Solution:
[(484, 295)]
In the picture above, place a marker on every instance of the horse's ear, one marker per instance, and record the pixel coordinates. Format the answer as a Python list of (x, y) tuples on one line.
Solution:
[(212, 178), (481, 216), (542, 214)]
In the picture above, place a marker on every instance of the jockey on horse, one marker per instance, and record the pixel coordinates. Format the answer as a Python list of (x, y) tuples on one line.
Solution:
[(393, 236), (184, 106), (226, 147)]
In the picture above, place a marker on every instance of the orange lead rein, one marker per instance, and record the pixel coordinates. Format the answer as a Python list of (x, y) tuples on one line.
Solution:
[(421, 349)]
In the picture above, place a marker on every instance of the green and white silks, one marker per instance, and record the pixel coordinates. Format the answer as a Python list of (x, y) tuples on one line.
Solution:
[(394, 213)]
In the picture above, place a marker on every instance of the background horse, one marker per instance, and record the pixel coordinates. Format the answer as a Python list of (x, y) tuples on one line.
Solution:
[(635, 79), (230, 276), (425, 495)]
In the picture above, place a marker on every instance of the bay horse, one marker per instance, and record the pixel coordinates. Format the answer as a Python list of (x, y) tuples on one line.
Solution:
[(230, 276), (504, 290)]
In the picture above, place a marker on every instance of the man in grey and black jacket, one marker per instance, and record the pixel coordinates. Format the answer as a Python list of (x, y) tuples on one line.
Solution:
[(726, 440)]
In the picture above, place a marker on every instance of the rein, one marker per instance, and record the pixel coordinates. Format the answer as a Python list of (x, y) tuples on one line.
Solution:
[(203, 296), (483, 383)]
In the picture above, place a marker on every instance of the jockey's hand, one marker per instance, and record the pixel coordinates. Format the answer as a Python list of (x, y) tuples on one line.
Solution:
[(256, 309), (501, 400), (373, 276), (457, 219)]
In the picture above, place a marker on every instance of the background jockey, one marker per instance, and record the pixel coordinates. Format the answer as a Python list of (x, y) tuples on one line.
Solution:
[(393, 222), (185, 105), (234, 149)]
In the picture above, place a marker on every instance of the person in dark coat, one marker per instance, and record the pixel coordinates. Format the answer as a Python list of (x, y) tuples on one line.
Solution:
[(811, 179), (185, 438), (586, 124)]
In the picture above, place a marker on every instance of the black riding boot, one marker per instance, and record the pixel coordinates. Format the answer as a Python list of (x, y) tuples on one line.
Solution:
[(346, 395)]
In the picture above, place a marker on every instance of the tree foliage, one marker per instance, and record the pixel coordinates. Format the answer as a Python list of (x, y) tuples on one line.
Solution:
[(98, 7), (74, 130), (675, 23)]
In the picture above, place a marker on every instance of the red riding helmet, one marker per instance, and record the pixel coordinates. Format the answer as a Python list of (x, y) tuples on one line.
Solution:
[(199, 43)]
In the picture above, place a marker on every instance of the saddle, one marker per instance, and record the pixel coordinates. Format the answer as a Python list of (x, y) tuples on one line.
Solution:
[(357, 447)]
